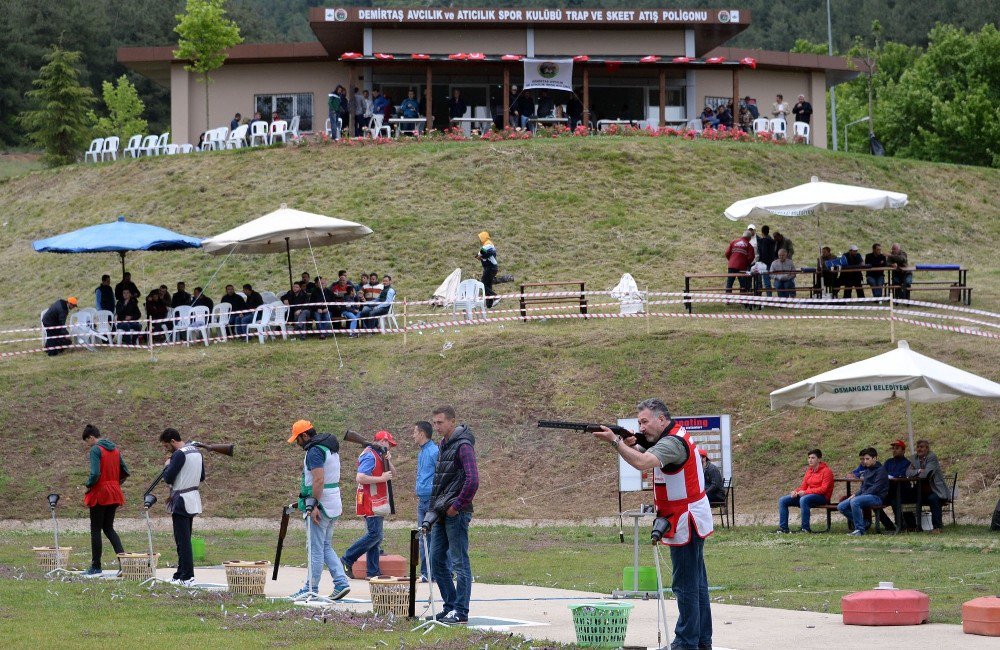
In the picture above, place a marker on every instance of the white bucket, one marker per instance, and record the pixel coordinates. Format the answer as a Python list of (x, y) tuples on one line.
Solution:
[(925, 521)]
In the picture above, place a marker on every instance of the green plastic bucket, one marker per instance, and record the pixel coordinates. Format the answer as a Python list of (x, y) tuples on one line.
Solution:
[(647, 578), (601, 625), (198, 550)]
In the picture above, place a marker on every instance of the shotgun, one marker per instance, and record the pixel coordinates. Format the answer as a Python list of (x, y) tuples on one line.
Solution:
[(588, 427), (225, 450), (286, 512), (355, 437)]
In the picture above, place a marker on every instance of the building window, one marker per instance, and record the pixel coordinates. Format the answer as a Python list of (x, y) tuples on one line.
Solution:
[(717, 102), (286, 106)]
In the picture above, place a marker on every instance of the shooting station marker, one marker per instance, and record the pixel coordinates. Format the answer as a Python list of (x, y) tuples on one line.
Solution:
[(246, 578)]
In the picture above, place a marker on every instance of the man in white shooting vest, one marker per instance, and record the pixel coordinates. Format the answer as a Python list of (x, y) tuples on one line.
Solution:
[(679, 496), (320, 488), (184, 472)]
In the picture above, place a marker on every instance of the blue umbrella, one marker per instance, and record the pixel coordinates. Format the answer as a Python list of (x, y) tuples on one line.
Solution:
[(116, 237)]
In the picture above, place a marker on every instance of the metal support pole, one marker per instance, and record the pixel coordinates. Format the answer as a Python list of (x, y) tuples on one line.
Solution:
[(586, 96), (428, 100), (505, 100), (350, 94), (833, 89), (663, 97)]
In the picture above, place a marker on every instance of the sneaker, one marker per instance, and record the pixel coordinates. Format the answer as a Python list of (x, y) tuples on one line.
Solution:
[(440, 615), (454, 618), (806, 530), (188, 583), (301, 593), (339, 593), (856, 533), (782, 531), (347, 569), (496, 301), (93, 571), (423, 579)]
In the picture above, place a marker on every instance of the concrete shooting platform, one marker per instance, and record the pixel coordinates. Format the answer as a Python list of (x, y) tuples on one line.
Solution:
[(542, 613)]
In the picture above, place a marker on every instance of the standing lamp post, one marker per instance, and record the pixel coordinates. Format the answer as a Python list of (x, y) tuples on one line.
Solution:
[(848, 128), (833, 89)]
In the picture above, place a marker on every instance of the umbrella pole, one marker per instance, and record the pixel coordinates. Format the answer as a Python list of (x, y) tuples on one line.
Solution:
[(121, 254), (819, 257), (909, 420), (288, 253)]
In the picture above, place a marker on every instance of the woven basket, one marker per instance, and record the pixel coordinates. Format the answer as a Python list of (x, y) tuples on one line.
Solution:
[(137, 566), (46, 556), (246, 578), (390, 596)]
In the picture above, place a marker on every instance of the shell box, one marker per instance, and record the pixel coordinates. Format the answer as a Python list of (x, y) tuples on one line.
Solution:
[(886, 607), (982, 616)]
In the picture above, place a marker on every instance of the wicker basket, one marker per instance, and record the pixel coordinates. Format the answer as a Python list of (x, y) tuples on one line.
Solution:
[(390, 596), (137, 566), (246, 578), (47, 557)]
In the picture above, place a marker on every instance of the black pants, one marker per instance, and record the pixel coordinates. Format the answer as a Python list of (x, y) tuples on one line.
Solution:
[(182, 537), (102, 520), (54, 338), (851, 281), (489, 276)]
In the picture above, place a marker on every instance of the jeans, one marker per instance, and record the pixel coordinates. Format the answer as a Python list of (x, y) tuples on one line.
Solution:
[(324, 321), (102, 520), (423, 505), (302, 317), (902, 279), (766, 278), (242, 322), (783, 287), (489, 276), (690, 586), (876, 284), (351, 317), (321, 552), (367, 545), (129, 326), (853, 509), (451, 536), (804, 503), (183, 525), (373, 312), (934, 501)]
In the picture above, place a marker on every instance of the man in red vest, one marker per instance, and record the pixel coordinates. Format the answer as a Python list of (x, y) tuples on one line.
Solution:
[(679, 496), (104, 494), (374, 474)]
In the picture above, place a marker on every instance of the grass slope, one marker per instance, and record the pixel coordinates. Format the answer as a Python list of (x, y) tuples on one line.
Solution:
[(559, 209)]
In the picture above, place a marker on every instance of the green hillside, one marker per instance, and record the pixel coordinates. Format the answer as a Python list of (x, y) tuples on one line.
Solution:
[(585, 209)]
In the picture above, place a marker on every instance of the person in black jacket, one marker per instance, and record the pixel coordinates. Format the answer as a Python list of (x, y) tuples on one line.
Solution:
[(456, 105), (54, 322), (237, 303), (126, 283), (767, 252), (128, 317), (298, 312), (321, 296), (876, 279), (850, 278), (199, 299), (181, 298), (253, 301), (715, 486), (872, 493), (104, 295), (525, 108)]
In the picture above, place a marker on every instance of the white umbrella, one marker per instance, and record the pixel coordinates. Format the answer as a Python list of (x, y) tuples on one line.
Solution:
[(901, 373), (445, 294), (283, 230)]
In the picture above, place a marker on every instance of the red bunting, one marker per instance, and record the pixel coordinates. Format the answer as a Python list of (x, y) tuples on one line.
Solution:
[(458, 56), (716, 59), (581, 58), (350, 56), (511, 57), (612, 66), (649, 59), (682, 59), (477, 56), (420, 57), (384, 57), (749, 62)]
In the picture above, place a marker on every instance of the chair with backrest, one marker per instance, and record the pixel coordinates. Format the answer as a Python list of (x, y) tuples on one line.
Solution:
[(801, 130), (220, 319), (376, 128), (721, 508), (279, 129), (471, 295), (96, 147), (761, 125), (148, 146), (170, 149), (104, 323), (185, 148), (80, 326), (238, 138), (779, 128), (161, 142), (389, 317), (268, 297), (134, 147), (181, 317), (953, 494), (694, 125), (110, 148), (198, 323), (279, 320), (258, 131), (261, 318), (293, 126)]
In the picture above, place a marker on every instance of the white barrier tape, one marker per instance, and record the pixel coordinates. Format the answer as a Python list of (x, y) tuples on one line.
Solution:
[(934, 305), (909, 312), (948, 328)]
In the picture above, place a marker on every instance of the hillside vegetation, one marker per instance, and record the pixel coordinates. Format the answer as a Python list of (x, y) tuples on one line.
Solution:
[(585, 209)]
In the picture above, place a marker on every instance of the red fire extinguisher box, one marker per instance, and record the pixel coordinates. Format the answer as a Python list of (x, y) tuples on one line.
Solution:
[(886, 607)]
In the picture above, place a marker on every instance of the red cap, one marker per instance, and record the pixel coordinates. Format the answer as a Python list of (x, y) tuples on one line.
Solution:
[(703, 452), (898, 443), (386, 437)]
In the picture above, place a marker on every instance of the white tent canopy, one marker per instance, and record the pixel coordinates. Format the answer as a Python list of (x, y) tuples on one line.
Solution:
[(445, 294), (901, 373), (815, 196), (283, 230)]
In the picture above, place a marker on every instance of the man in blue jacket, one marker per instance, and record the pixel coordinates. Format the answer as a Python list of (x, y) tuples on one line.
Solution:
[(872, 493), (426, 461)]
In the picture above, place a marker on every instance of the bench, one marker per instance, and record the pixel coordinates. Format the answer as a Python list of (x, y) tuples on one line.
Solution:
[(831, 508), (579, 297)]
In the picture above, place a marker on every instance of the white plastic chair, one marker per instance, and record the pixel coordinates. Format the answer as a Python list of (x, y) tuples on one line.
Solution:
[(198, 323), (148, 146), (261, 318), (268, 297), (293, 126), (389, 317), (471, 295), (694, 125), (778, 128), (161, 142), (181, 317), (81, 329), (376, 128), (220, 319), (96, 147), (761, 124), (110, 148), (279, 320), (103, 323), (134, 148), (801, 130), (279, 129), (258, 130), (238, 138), (170, 149), (185, 148)]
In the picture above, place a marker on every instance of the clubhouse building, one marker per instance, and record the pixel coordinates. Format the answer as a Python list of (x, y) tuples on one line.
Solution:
[(657, 66)]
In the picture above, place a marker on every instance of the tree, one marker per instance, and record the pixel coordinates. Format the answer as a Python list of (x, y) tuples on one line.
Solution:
[(805, 46), (124, 108), (205, 35), (59, 123)]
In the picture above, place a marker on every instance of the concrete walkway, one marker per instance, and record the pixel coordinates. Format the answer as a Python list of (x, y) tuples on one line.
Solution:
[(542, 613)]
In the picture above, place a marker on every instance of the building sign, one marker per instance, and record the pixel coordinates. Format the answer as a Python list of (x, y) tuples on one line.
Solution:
[(551, 74), (709, 432), (539, 16)]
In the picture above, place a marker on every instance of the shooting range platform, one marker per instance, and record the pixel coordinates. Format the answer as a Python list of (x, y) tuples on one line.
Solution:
[(543, 613)]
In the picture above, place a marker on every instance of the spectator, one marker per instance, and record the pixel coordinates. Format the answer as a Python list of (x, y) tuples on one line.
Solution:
[(815, 490), (382, 305), (410, 108), (876, 279), (766, 253), (158, 312), (252, 302), (897, 466), (851, 279), (165, 294), (333, 108), (715, 487), (358, 104), (371, 289), (779, 108), (740, 256), (830, 265), (753, 242), (546, 107), (574, 111), (235, 123), (784, 281), (126, 283), (298, 313), (902, 276), (456, 105), (104, 295), (362, 281), (514, 109), (127, 316), (349, 310), (199, 299), (237, 303), (54, 322), (388, 109), (379, 103), (933, 488), (307, 284), (321, 296), (724, 116), (181, 298), (426, 461), (708, 118), (780, 241), (368, 111), (802, 110), (751, 105), (526, 108), (872, 493)]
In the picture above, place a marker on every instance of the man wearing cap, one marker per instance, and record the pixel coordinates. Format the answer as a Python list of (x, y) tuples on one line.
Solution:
[(849, 277), (896, 466), (320, 484), (374, 474), (54, 322), (715, 488)]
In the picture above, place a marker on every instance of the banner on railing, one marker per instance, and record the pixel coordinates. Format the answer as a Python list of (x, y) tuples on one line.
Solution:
[(550, 74)]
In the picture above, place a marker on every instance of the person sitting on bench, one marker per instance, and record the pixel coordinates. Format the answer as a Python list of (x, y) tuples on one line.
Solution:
[(815, 490), (872, 493)]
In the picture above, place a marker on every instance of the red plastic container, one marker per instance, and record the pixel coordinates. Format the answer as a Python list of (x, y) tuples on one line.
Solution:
[(886, 607), (982, 616)]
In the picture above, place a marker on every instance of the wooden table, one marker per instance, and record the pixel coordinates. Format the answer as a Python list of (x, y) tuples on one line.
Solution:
[(896, 487), (400, 121), (570, 296)]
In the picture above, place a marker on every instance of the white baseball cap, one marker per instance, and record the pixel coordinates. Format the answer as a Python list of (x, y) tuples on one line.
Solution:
[(853, 247), (751, 227)]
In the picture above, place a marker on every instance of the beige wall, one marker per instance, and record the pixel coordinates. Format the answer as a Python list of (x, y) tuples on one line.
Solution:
[(233, 88), (449, 41), (609, 42)]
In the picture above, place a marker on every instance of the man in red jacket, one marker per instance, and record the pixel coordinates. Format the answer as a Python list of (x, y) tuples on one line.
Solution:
[(816, 490), (104, 494), (740, 256)]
